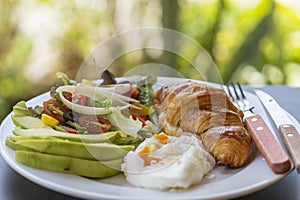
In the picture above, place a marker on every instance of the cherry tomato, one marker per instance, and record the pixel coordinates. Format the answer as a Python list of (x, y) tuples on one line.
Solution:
[(69, 129), (94, 124), (80, 99), (68, 96), (142, 119), (132, 93), (84, 100), (54, 109)]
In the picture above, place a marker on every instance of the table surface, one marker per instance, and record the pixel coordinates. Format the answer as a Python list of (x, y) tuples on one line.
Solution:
[(14, 187)]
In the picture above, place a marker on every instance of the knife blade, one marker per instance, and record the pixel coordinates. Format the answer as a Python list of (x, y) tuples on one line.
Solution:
[(287, 130)]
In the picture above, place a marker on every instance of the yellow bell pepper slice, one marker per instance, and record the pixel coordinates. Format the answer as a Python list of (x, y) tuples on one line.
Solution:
[(49, 120), (141, 110)]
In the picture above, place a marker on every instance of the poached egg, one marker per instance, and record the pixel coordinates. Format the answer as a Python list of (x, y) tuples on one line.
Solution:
[(167, 162)]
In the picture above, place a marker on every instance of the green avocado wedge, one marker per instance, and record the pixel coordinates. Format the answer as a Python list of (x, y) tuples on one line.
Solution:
[(115, 137), (16, 138), (93, 138), (91, 151), (65, 164), (28, 122), (21, 109), (15, 146)]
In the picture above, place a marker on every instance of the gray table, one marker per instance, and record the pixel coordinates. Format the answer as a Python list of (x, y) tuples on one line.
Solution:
[(14, 187)]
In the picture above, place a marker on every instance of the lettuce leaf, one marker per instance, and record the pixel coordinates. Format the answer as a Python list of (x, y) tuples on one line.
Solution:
[(122, 123)]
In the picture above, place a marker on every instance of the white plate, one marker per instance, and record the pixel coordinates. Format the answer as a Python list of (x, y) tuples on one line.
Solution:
[(229, 183)]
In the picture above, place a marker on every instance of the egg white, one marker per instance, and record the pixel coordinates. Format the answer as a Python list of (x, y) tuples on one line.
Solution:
[(183, 162)]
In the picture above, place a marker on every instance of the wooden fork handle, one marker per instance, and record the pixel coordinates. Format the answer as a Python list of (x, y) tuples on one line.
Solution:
[(268, 145)]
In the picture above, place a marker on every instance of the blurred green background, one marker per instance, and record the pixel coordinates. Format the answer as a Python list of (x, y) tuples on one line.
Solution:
[(253, 41)]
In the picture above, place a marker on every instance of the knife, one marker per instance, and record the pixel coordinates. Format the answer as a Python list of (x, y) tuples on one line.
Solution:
[(288, 132)]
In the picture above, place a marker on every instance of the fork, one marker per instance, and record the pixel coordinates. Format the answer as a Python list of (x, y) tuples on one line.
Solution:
[(267, 144)]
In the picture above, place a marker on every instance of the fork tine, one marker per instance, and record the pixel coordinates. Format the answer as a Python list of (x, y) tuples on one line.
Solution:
[(244, 99), (238, 97), (241, 90), (229, 92), (235, 91)]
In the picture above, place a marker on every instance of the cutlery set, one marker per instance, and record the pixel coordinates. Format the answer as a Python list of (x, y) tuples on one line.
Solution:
[(265, 140), (288, 131)]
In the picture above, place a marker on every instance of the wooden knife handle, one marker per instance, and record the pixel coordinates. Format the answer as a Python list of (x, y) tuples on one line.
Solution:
[(268, 145), (291, 140)]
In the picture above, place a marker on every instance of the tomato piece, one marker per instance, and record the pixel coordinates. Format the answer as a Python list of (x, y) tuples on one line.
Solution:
[(132, 93), (54, 109), (77, 98), (142, 119), (69, 129), (68, 96), (83, 100), (94, 124), (80, 99)]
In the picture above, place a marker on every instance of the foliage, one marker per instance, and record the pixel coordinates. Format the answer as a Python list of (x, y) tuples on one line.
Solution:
[(254, 42)]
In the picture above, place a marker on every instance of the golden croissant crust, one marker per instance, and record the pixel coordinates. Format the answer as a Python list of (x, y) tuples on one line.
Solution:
[(206, 111), (188, 94), (230, 145)]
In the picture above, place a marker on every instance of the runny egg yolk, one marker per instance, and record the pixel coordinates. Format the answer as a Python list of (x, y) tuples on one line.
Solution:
[(163, 138), (144, 152), (148, 160)]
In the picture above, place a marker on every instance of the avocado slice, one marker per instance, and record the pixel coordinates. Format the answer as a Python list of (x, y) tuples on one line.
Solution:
[(103, 137), (115, 137), (65, 164), (16, 138), (14, 145), (28, 122), (91, 151), (21, 109)]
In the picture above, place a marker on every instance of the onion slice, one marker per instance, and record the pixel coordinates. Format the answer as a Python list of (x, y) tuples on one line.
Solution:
[(96, 93), (118, 88)]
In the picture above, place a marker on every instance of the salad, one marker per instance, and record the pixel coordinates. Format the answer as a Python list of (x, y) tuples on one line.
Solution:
[(92, 108), (98, 129), (84, 123)]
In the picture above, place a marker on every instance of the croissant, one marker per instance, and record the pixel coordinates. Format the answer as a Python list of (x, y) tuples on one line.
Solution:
[(206, 111), (198, 121), (193, 95), (230, 145)]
